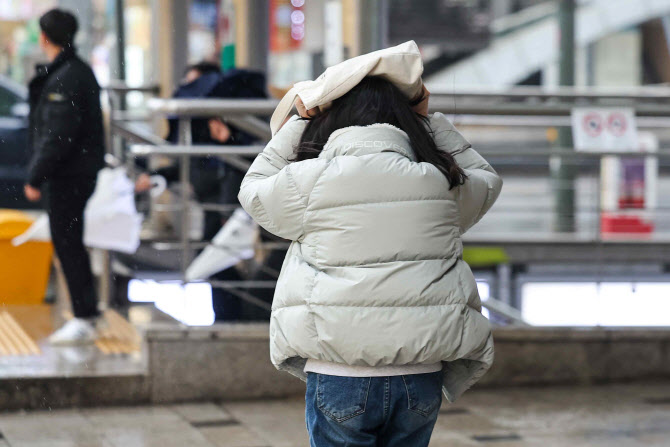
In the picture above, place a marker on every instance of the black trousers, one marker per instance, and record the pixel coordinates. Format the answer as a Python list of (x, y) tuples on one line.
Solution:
[(65, 201)]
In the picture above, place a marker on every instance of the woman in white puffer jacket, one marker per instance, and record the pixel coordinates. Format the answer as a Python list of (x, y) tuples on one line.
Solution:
[(374, 306)]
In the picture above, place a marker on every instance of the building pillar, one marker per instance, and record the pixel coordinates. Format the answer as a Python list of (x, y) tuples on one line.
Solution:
[(563, 172), (170, 42), (83, 11), (120, 43), (373, 24), (252, 34), (364, 25)]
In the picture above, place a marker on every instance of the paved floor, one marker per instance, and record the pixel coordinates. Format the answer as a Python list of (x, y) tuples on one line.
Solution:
[(612, 416)]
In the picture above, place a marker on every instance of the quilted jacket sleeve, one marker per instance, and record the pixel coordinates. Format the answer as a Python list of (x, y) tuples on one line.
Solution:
[(480, 191), (272, 191)]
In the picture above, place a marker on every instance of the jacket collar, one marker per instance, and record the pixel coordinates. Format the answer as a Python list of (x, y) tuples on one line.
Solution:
[(64, 56), (364, 140)]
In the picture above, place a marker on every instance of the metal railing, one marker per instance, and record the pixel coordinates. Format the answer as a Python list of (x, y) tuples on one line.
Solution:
[(117, 132), (519, 106), (118, 90)]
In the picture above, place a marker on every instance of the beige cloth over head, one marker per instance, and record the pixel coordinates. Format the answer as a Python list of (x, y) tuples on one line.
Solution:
[(401, 65)]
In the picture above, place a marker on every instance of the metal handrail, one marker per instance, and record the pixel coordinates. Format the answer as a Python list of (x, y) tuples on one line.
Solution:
[(116, 85), (195, 151), (563, 93), (452, 105), (644, 122), (185, 108), (206, 150), (637, 95), (132, 133), (539, 103)]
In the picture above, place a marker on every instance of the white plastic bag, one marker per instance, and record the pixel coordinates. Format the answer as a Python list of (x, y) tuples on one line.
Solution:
[(233, 243), (111, 220)]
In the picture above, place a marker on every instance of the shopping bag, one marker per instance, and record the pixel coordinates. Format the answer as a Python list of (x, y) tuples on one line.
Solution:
[(111, 220), (233, 243)]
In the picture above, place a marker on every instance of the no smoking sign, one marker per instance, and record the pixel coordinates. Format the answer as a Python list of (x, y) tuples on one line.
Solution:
[(593, 124), (604, 129), (617, 123)]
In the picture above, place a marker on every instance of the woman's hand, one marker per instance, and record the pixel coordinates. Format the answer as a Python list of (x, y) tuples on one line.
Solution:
[(303, 112), (421, 107)]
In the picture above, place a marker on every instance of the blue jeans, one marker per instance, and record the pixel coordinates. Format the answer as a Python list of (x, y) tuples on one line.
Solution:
[(397, 411)]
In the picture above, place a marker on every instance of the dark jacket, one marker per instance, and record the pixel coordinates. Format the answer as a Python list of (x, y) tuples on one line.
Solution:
[(66, 130)]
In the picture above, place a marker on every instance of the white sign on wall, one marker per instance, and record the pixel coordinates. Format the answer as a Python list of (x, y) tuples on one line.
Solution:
[(604, 129)]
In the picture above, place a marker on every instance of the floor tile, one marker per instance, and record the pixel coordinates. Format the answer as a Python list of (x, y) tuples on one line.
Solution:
[(140, 438), (599, 416), (144, 417), (62, 426), (61, 443), (201, 412), (233, 436), (280, 423)]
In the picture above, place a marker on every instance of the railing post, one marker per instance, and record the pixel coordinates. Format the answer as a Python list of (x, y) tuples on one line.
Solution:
[(599, 201), (105, 279), (185, 138)]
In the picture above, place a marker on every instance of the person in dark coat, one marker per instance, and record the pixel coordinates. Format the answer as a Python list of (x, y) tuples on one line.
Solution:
[(67, 138), (214, 181)]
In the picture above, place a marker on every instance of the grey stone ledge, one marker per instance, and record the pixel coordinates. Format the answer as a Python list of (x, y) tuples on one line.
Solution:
[(261, 332), (219, 331), (583, 334)]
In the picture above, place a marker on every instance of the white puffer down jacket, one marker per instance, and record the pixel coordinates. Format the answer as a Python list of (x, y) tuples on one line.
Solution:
[(375, 274)]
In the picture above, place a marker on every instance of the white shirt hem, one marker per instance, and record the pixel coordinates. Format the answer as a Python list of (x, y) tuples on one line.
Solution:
[(339, 369)]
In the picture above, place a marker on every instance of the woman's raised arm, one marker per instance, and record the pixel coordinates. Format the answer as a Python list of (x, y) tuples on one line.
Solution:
[(274, 191)]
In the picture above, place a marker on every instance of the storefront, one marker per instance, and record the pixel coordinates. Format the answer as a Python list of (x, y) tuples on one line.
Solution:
[(96, 39), (19, 33)]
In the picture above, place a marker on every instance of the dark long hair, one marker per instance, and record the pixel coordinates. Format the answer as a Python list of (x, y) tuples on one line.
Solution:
[(376, 100)]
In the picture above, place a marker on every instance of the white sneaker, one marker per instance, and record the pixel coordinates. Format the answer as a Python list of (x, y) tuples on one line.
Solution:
[(75, 332)]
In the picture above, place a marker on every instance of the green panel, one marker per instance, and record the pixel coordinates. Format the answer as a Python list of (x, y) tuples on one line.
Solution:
[(484, 256), (228, 57)]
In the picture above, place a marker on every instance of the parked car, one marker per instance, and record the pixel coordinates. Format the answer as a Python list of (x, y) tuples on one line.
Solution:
[(14, 151)]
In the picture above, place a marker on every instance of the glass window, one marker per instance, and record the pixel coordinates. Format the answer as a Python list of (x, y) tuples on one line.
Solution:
[(190, 303), (596, 304)]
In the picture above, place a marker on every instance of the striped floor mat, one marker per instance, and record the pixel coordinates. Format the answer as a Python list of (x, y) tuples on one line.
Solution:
[(14, 340), (117, 336)]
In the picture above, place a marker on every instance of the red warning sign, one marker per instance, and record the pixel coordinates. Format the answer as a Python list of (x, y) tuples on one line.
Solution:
[(617, 123), (601, 129), (593, 124)]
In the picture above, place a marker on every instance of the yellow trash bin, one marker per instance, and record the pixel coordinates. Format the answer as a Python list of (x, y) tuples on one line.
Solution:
[(24, 270)]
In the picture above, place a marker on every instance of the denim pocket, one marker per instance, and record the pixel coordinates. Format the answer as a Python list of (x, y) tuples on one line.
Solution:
[(424, 392), (342, 398)]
